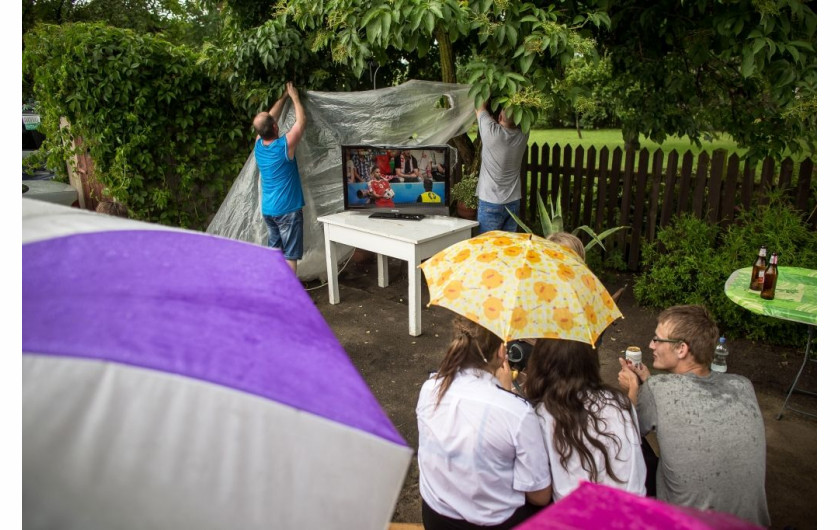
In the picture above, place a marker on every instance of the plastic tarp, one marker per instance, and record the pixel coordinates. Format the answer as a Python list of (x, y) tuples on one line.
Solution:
[(408, 114)]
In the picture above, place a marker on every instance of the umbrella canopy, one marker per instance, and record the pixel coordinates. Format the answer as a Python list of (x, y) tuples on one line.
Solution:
[(173, 379), (598, 506), (520, 286)]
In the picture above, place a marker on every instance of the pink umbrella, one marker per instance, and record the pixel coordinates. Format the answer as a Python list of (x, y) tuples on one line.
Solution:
[(597, 506)]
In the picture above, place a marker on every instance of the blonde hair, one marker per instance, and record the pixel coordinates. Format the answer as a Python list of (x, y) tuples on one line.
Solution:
[(570, 241), (112, 208)]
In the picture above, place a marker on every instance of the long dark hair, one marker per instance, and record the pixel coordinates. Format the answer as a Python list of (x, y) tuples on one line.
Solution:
[(472, 346), (565, 377)]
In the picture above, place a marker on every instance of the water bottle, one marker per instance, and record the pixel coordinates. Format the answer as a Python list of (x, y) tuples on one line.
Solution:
[(721, 353)]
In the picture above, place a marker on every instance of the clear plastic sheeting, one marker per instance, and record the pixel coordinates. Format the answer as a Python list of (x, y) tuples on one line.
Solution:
[(410, 114)]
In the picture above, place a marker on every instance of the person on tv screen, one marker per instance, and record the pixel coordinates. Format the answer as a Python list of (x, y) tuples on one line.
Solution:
[(364, 164), (385, 163), (429, 166), (407, 168), (350, 171), (282, 194), (380, 190), (429, 195)]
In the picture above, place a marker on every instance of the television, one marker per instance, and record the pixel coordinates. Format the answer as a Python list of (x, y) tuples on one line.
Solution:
[(397, 181)]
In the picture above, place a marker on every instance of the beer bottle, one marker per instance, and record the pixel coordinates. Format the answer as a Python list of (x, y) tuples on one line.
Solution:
[(771, 276), (760, 264)]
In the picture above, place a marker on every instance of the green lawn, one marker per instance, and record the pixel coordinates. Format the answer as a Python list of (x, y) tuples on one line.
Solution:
[(611, 138)]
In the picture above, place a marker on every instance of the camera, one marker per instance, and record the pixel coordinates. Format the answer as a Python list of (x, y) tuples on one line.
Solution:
[(518, 352)]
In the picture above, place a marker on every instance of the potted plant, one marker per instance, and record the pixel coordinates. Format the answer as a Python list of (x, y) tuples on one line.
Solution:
[(463, 193)]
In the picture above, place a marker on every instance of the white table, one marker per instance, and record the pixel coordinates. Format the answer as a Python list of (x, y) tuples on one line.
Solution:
[(412, 241)]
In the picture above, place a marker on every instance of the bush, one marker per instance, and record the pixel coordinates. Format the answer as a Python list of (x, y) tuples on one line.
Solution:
[(691, 260), (163, 134), (464, 191)]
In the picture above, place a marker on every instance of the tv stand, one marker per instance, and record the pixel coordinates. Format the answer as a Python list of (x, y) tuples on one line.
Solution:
[(398, 216), (411, 242)]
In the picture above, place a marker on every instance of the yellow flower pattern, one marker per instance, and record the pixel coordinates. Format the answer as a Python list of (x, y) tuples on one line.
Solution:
[(520, 286), (462, 256), (491, 279), (565, 272), (453, 290), (487, 257), (523, 272), (492, 308), (545, 291), (564, 318), (519, 318)]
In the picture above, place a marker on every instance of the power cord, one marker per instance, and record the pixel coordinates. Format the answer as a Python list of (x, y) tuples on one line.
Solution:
[(336, 276)]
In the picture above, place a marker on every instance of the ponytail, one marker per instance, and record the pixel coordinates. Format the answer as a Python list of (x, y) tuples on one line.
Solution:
[(467, 350)]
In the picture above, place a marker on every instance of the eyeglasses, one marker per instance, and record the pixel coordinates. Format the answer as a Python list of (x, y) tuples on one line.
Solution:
[(672, 341)]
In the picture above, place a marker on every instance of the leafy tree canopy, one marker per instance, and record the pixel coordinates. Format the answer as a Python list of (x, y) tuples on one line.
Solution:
[(694, 68)]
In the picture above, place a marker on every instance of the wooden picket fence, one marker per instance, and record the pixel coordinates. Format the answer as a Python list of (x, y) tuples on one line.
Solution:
[(645, 191)]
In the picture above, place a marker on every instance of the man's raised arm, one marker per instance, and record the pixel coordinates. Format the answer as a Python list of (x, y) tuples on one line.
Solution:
[(278, 106), (296, 132)]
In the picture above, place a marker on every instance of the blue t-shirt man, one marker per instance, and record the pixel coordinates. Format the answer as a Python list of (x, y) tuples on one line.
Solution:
[(282, 195)]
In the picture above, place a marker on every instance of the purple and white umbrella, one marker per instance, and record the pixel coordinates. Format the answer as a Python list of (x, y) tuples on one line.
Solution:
[(173, 379)]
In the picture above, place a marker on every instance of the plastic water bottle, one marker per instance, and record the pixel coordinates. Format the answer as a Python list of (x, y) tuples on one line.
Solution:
[(721, 353)]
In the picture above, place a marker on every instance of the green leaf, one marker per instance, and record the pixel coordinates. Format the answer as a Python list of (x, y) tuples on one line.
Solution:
[(386, 25), (525, 62), (430, 23), (519, 222), (747, 64)]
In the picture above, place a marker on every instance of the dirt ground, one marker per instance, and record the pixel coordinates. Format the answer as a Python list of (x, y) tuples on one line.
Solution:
[(372, 324)]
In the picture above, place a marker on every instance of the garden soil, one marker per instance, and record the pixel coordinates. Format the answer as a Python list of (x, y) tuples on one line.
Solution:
[(371, 322)]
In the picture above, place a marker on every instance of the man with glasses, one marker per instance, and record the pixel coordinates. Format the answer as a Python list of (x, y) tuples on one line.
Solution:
[(708, 425)]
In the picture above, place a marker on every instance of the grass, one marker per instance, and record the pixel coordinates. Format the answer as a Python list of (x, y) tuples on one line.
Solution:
[(611, 138)]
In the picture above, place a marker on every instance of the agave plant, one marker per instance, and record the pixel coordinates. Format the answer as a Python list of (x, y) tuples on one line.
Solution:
[(551, 221)]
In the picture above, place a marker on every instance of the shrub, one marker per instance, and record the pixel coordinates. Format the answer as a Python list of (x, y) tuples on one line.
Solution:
[(464, 191), (163, 135), (691, 260)]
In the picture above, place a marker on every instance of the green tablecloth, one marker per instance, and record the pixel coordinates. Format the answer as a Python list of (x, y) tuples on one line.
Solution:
[(796, 294)]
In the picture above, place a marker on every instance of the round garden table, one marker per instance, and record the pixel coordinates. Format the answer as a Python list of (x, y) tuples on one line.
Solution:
[(795, 300)]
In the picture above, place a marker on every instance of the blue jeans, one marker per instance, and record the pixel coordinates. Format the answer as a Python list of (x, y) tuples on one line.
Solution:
[(286, 233), (493, 216)]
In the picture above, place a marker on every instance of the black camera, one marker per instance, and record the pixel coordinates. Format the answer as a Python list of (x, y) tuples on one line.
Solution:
[(518, 352)]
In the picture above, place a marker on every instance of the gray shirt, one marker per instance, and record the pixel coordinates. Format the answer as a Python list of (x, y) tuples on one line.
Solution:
[(711, 439), (501, 159)]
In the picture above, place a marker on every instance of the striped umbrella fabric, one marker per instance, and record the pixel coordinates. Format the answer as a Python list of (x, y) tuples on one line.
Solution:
[(173, 379)]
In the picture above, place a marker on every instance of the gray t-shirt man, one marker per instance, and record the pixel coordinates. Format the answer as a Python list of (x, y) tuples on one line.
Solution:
[(711, 440), (501, 159)]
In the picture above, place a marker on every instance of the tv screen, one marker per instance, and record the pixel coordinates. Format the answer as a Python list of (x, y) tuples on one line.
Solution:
[(398, 179)]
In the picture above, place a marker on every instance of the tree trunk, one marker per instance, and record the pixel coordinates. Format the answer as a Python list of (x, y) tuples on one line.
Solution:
[(631, 139), (465, 146), (447, 57)]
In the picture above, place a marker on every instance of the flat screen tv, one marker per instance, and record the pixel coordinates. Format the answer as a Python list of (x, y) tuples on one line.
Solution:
[(397, 180)]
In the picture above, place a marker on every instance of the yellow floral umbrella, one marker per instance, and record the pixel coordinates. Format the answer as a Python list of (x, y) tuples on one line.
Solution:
[(521, 286)]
